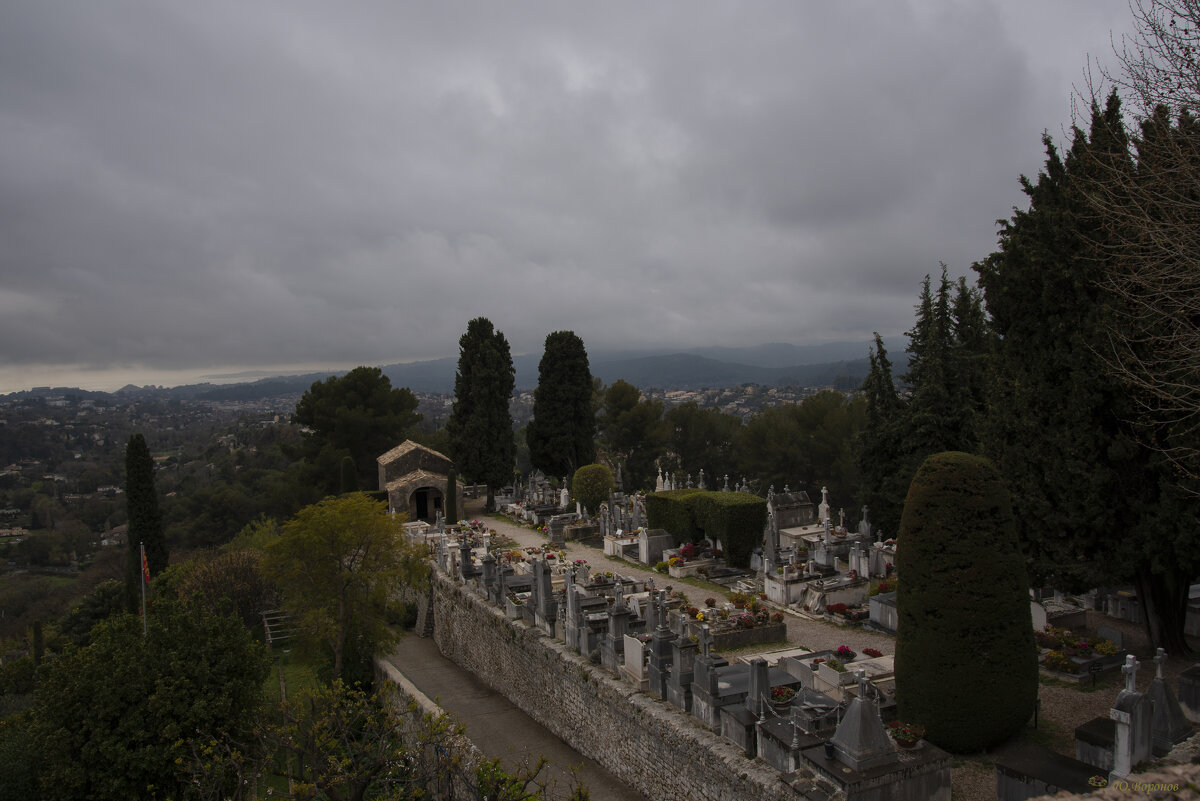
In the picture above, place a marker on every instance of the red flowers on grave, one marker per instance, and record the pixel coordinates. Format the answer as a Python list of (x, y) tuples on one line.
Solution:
[(873, 652), (746, 621), (782, 695), (905, 734), (844, 653), (689, 551)]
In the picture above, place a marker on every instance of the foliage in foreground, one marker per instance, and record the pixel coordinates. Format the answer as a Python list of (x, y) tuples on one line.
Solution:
[(110, 720), (339, 742)]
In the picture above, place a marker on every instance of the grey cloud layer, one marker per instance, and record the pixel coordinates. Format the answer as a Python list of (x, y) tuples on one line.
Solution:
[(218, 184)]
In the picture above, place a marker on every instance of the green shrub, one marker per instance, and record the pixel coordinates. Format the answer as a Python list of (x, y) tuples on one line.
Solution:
[(966, 665), (591, 485)]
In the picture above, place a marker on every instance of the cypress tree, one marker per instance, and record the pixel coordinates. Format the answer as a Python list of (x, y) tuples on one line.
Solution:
[(482, 445), (451, 496), (880, 457), (145, 520), (562, 433), (966, 664)]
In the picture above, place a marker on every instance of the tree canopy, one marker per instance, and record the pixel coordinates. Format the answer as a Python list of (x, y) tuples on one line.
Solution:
[(482, 445), (337, 565), (110, 720), (632, 433), (359, 415), (562, 433), (1096, 508)]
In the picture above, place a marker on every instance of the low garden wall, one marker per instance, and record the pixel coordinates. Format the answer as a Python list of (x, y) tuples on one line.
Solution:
[(644, 741)]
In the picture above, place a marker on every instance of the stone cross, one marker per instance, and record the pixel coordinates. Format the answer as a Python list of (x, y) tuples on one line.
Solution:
[(726, 487), (1160, 662), (706, 640), (863, 683), (1130, 670), (702, 479)]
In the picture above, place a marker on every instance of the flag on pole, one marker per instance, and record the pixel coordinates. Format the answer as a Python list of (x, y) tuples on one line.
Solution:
[(145, 564)]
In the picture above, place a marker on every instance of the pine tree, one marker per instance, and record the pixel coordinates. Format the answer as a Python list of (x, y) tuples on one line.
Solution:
[(562, 433), (145, 520), (480, 425)]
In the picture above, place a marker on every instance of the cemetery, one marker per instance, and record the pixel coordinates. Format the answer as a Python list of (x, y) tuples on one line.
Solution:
[(569, 644), (657, 679)]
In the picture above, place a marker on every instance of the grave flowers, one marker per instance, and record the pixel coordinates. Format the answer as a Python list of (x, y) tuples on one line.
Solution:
[(782, 695), (906, 735), (844, 653), (873, 652)]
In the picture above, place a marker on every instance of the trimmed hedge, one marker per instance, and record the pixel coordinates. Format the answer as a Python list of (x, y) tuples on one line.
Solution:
[(966, 663), (670, 510), (734, 518)]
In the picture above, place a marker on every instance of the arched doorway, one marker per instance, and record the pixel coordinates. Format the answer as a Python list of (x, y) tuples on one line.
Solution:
[(425, 503)]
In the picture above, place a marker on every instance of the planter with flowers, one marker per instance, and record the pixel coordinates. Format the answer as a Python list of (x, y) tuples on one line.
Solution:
[(906, 735), (781, 698)]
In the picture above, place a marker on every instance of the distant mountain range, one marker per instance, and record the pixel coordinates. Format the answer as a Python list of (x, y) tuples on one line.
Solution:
[(840, 364)]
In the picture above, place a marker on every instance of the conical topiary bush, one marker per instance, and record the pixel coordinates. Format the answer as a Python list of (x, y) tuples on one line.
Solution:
[(966, 664)]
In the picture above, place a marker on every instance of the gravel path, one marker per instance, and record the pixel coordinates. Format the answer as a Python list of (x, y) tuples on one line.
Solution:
[(973, 778)]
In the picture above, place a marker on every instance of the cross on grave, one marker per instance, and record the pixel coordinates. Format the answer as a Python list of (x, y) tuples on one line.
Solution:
[(1130, 670), (1160, 662), (706, 640)]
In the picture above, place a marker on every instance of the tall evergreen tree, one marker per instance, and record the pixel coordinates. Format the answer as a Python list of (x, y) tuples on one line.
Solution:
[(562, 433), (145, 520), (480, 425), (1095, 507), (880, 457)]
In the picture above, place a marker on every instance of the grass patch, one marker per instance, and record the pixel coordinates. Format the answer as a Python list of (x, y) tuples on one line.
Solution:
[(298, 674)]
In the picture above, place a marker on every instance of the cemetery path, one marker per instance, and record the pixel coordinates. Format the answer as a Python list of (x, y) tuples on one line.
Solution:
[(496, 726), (812, 635)]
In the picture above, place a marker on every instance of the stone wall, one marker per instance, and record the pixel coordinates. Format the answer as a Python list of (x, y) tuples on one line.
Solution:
[(644, 741)]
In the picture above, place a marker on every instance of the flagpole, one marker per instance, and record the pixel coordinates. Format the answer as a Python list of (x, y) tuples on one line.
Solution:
[(142, 581)]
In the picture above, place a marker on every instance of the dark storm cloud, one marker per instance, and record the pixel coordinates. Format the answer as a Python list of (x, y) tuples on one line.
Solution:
[(223, 184)]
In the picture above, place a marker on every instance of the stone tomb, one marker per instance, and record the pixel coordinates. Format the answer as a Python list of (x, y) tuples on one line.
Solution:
[(1032, 771), (753, 683), (864, 763)]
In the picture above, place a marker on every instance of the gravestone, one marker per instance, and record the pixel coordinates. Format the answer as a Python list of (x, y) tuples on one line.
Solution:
[(1168, 725), (1132, 740), (660, 646), (555, 528), (634, 666), (679, 684)]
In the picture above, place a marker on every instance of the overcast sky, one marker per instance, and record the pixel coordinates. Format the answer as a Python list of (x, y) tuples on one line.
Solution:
[(194, 189)]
